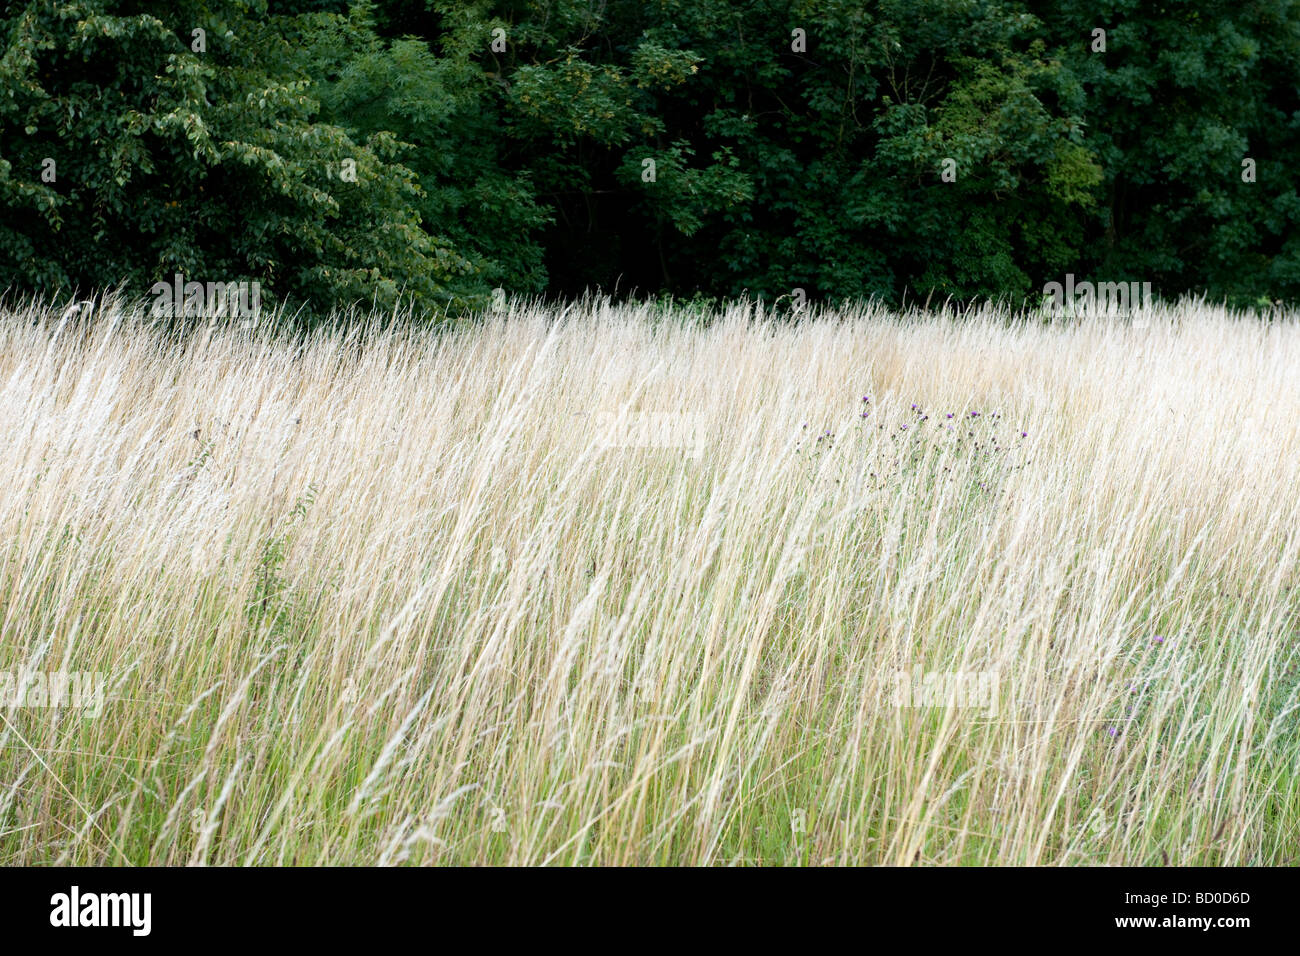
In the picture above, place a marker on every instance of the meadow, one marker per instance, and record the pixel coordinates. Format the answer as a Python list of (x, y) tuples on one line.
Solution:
[(636, 584)]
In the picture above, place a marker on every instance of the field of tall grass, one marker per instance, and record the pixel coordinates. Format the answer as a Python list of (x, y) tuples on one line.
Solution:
[(634, 585)]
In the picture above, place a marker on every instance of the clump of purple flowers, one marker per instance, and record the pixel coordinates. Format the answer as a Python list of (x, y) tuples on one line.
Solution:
[(982, 444)]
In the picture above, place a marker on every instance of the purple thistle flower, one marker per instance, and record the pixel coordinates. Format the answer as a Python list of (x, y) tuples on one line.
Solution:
[(1112, 731)]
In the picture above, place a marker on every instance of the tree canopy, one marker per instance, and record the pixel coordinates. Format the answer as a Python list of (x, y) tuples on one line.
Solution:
[(440, 149)]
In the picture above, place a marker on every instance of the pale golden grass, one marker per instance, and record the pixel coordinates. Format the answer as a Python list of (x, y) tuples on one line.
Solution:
[(386, 596)]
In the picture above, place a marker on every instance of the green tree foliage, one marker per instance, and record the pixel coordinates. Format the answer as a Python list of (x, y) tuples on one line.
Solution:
[(899, 147), (1183, 94), (204, 158)]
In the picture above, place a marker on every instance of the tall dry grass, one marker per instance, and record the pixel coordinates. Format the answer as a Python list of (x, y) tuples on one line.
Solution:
[(388, 595)]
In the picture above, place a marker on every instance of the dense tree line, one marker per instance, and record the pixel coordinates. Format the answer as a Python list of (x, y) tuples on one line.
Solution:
[(441, 149)]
